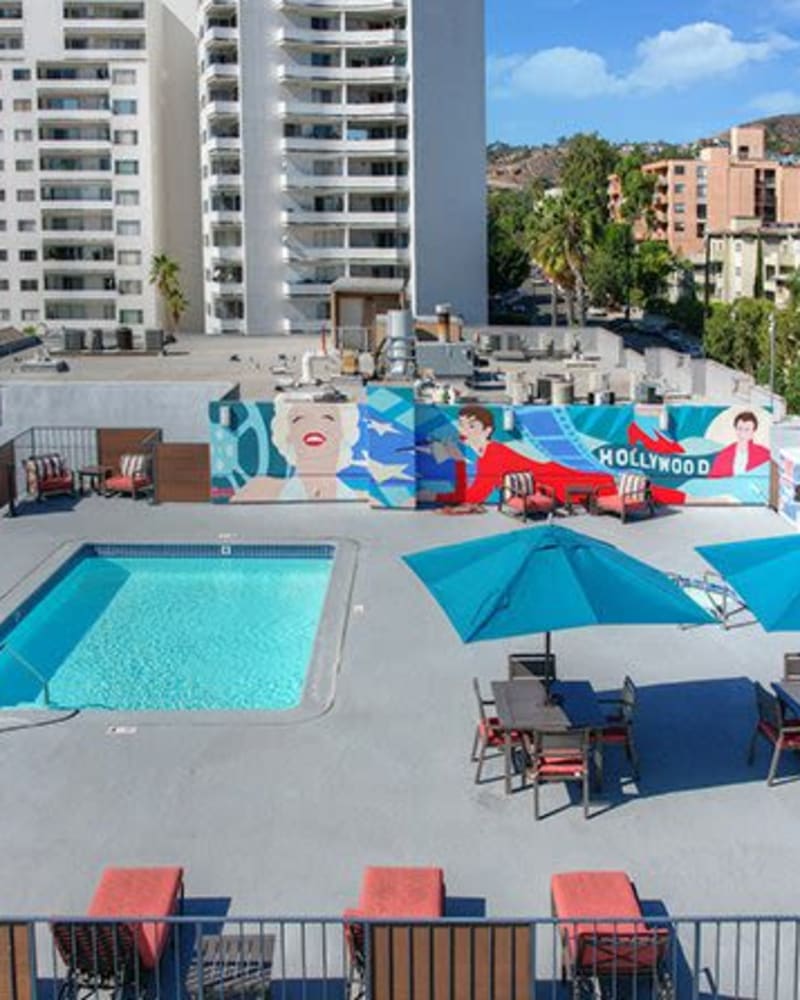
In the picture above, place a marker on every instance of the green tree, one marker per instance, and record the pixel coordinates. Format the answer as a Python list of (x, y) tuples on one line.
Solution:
[(609, 270), (509, 263), (638, 189), (165, 275), (588, 163), (547, 242), (654, 264), (737, 334)]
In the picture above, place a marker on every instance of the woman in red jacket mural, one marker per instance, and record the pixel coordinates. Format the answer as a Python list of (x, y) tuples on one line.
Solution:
[(744, 454), (494, 460)]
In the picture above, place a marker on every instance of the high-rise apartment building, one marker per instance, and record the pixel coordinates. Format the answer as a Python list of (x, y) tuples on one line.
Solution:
[(340, 138), (99, 161)]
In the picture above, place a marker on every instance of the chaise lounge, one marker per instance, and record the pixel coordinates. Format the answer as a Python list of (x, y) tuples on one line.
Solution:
[(111, 952), (604, 938)]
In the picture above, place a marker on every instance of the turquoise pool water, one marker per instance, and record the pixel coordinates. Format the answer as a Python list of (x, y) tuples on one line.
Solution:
[(169, 633)]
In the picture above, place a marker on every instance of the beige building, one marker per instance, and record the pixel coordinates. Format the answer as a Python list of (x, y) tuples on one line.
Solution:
[(726, 182), (734, 259)]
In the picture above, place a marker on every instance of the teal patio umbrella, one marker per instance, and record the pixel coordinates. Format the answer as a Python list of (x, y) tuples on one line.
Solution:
[(765, 573), (545, 579)]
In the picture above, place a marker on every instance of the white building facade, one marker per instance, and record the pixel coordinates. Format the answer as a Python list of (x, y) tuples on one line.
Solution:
[(98, 173), (340, 138)]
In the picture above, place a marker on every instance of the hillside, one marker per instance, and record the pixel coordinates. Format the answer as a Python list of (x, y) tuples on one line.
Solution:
[(517, 166)]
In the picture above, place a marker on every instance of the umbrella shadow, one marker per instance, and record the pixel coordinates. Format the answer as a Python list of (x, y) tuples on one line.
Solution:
[(691, 736)]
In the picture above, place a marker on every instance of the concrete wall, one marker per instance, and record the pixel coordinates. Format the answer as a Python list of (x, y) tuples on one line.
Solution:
[(181, 409), (448, 133)]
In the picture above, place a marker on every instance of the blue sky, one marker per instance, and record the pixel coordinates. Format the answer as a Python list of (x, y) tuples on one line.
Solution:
[(638, 69)]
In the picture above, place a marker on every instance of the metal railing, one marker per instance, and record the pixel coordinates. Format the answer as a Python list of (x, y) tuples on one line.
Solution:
[(208, 956), (78, 446)]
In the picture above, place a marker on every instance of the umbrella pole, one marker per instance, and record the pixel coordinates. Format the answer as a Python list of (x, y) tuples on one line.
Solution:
[(547, 659)]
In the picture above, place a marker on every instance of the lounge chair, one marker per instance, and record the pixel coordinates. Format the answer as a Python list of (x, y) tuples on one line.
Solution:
[(604, 938), (134, 476), (632, 495), (394, 893), (48, 475), (110, 952), (521, 496)]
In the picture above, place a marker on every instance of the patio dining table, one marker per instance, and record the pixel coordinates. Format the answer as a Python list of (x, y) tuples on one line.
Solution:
[(524, 705)]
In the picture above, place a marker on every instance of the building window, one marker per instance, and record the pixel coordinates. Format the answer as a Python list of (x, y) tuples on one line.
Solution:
[(26, 226), (126, 137), (29, 315), (126, 107), (131, 316), (680, 188), (680, 208), (21, 166), (129, 287), (127, 198), (3, 225), (680, 226), (3, 284), (128, 227), (5, 315), (29, 285), (23, 135), (129, 258), (3, 254), (123, 77), (26, 194), (22, 104), (21, 74), (680, 170), (26, 256), (126, 167)]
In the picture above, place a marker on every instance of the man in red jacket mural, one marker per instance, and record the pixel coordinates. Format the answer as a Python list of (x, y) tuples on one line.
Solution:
[(494, 460), (744, 454)]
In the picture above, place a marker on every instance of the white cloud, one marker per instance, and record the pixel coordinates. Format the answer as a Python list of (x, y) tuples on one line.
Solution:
[(670, 59), (776, 102)]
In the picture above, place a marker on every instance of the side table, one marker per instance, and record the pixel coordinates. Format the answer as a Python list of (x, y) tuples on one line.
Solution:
[(231, 966), (582, 495), (94, 475)]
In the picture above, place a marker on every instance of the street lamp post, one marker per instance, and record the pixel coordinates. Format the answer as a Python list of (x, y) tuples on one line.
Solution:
[(772, 326)]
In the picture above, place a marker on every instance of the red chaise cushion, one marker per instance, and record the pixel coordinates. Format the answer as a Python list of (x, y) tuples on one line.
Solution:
[(140, 892), (126, 484), (402, 892)]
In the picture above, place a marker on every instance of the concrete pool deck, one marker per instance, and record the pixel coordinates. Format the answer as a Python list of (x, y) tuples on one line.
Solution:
[(282, 819)]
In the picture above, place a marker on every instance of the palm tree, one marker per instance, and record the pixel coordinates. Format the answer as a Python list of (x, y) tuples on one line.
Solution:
[(165, 275), (560, 241)]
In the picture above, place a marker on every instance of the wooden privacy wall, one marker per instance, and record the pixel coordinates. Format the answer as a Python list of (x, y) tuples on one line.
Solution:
[(457, 962), (183, 473), (8, 489), (112, 442), (16, 951)]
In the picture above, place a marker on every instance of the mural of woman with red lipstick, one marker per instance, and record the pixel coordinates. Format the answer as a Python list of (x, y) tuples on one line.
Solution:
[(493, 460), (316, 440)]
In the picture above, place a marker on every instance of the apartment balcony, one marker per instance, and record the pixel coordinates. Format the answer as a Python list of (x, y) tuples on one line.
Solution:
[(289, 71), (312, 109), (222, 109), (114, 45), (220, 71), (226, 254), (299, 217), (223, 144), (295, 254), (76, 266), (380, 38), (306, 289), (311, 7), (365, 147), (217, 34), (336, 182), (50, 116), (224, 218)]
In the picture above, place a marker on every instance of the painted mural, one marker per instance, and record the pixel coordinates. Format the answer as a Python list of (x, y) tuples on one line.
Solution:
[(699, 454), (394, 453), (298, 450)]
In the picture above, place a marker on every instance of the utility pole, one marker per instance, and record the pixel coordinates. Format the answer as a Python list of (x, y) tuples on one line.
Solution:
[(772, 326)]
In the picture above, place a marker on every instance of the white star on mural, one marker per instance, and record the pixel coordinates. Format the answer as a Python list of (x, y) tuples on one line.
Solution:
[(382, 428)]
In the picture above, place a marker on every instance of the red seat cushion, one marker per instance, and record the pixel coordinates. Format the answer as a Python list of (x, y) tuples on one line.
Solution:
[(791, 740), (126, 484), (559, 765), (140, 892), (492, 731), (51, 483), (623, 946), (614, 733), (614, 502), (402, 892)]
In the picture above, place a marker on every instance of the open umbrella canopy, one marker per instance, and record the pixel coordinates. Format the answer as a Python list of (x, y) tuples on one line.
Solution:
[(765, 573), (544, 579)]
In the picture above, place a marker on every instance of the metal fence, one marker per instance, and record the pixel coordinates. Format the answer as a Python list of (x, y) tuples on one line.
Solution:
[(76, 445), (710, 958)]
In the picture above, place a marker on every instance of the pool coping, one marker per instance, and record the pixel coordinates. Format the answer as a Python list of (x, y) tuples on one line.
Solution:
[(319, 691)]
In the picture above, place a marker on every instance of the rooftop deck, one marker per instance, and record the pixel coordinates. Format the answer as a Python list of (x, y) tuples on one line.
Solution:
[(282, 819)]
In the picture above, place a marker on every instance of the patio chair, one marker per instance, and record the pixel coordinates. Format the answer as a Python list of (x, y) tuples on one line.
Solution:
[(394, 893), (118, 947), (48, 475), (559, 757), (539, 665), (791, 666), (134, 476), (618, 730), (522, 496), (489, 733), (771, 724), (604, 939), (631, 496)]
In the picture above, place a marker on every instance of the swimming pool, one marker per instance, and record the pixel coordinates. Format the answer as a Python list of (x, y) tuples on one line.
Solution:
[(169, 628)]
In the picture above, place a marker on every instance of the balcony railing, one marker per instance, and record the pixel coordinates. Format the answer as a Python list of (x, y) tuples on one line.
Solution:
[(713, 958)]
